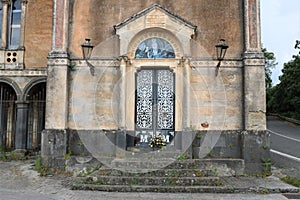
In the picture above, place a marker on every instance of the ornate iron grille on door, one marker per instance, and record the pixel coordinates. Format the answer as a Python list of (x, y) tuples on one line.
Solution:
[(155, 104), (36, 116), (7, 117)]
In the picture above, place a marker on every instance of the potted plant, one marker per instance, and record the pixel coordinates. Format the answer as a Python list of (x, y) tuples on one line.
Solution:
[(157, 141)]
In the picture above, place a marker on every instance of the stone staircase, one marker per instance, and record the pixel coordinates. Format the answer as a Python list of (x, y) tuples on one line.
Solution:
[(162, 175)]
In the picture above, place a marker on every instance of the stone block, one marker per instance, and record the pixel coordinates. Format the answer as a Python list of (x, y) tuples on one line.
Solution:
[(255, 150), (54, 148), (75, 145), (121, 139), (215, 144)]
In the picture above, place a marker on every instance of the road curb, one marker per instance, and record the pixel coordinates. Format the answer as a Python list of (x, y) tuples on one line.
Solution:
[(295, 121)]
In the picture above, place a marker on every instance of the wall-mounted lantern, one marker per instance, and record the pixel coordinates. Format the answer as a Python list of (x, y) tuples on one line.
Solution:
[(221, 48), (87, 49)]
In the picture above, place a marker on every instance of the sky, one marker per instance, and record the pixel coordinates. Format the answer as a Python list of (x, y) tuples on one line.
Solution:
[(280, 28)]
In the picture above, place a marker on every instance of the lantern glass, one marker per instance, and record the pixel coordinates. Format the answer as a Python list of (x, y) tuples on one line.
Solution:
[(87, 48), (221, 48)]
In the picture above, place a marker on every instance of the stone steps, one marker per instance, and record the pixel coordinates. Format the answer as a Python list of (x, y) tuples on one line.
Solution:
[(157, 181), (158, 172), (180, 176), (250, 188), (219, 167), (152, 188), (136, 175)]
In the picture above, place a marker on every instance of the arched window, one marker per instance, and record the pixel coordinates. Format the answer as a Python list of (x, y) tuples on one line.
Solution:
[(155, 48)]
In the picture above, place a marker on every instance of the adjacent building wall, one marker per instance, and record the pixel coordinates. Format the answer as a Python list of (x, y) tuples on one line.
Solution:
[(215, 19), (38, 33)]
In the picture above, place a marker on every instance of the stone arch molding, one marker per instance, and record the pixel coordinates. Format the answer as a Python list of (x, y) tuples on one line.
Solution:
[(154, 33), (14, 85), (30, 85), (155, 21)]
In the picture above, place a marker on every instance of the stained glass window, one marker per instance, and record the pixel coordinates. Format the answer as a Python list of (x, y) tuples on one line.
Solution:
[(155, 48)]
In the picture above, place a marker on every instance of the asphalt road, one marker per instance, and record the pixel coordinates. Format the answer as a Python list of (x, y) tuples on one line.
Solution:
[(285, 136), (285, 146)]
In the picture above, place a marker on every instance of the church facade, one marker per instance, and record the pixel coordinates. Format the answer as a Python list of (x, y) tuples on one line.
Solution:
[(152, 73)]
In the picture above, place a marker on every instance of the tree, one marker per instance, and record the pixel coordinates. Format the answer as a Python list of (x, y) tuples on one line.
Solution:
[(297, 45), (270, 63), (284, 98)]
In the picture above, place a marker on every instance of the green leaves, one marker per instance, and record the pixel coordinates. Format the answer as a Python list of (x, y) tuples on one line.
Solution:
[(270, 63), (284, 98)]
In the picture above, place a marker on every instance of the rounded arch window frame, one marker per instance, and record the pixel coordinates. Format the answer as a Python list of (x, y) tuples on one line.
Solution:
[(14, 86), (155, 33), (32, 84)]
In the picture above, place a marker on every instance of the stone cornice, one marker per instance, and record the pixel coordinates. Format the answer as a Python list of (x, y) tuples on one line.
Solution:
[(58, 61), (255, 61), (194, 62), (96, 63), (213, 63), (26, 72)]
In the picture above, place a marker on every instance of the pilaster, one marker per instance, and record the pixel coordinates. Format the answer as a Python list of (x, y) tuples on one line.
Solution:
[(187, 87), (254, 92), (252, 25), (58, 61), (21, 125), (57, 91), (254, 72), (60, 25), (23, 18), (5, 4), (122, 107), (54, 137)]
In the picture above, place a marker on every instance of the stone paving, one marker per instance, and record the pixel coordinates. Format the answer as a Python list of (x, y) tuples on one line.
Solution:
[(19, 181)]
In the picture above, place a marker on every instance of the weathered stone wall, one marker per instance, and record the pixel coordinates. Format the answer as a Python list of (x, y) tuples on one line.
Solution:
[(216, 99), (94, 100), (216, 95), (38, 33), (252, 146), (215, 19)]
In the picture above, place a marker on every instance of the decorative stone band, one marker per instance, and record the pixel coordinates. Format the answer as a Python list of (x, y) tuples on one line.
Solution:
[(193, 63), (234, 63), (228, 63), (213, 63), (96, 63), (58, 61), (27, 72), (253, 62)]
